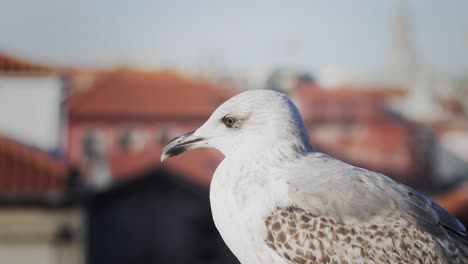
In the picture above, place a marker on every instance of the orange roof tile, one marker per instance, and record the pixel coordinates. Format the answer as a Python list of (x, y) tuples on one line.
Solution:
[(13, 66), (132, 94), (27, 172)]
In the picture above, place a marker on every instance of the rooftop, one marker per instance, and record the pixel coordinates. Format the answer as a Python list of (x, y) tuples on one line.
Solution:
[(130, 94), (10, 65), (26, 172)]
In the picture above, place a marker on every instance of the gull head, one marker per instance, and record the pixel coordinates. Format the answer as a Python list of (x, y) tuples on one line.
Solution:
[(249, 123)]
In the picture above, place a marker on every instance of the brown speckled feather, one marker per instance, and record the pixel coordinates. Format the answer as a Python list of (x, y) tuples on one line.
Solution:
[(301, 237)]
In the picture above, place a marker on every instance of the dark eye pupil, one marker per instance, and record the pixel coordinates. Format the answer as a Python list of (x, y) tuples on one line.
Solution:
[(229, 121)]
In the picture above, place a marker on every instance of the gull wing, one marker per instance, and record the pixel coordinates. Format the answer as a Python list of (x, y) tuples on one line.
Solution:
[(358, 209)]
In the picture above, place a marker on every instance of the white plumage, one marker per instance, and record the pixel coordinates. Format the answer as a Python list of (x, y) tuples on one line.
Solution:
[(276, 200)]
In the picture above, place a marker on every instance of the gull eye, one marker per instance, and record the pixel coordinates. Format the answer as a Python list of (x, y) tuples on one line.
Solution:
[(229, 121)]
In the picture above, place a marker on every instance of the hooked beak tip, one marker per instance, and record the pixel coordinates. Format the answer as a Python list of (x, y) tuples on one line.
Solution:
[(179, 145), (164, 156)]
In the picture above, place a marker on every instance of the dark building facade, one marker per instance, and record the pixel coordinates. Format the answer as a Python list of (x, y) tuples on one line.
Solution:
[(155, 218)]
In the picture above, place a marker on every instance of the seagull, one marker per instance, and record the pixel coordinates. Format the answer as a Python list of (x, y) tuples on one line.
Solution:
[(276, 200)]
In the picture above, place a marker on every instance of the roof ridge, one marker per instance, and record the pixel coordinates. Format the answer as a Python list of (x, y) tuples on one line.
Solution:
[(14, 65)]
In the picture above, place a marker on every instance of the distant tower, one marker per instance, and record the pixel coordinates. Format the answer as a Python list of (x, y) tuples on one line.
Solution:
[(403, 62)]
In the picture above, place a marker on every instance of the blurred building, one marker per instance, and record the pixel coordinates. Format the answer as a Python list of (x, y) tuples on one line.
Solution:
[(38, 224), (127, 112), (121, 205), (30, 103), (450, 163), (138, 209), (37, 221), (285, 80), (431, 95)]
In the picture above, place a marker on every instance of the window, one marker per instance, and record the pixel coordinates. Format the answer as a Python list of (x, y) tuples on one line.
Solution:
[(164, 135), (93, 144), (131, 139)]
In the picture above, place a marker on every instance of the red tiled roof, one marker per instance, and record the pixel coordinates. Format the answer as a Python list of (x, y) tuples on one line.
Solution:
[(132, 94), (312, 92), (30, 173), (11, 65), (196, 165), (336, 105)]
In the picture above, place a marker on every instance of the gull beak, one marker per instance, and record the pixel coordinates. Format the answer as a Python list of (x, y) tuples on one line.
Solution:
[(181, 144)]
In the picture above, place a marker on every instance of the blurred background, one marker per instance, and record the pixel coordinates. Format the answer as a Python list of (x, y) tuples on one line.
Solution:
[(90, 91)]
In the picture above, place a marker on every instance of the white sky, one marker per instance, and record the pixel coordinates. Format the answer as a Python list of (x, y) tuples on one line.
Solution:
[(243, 34)]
